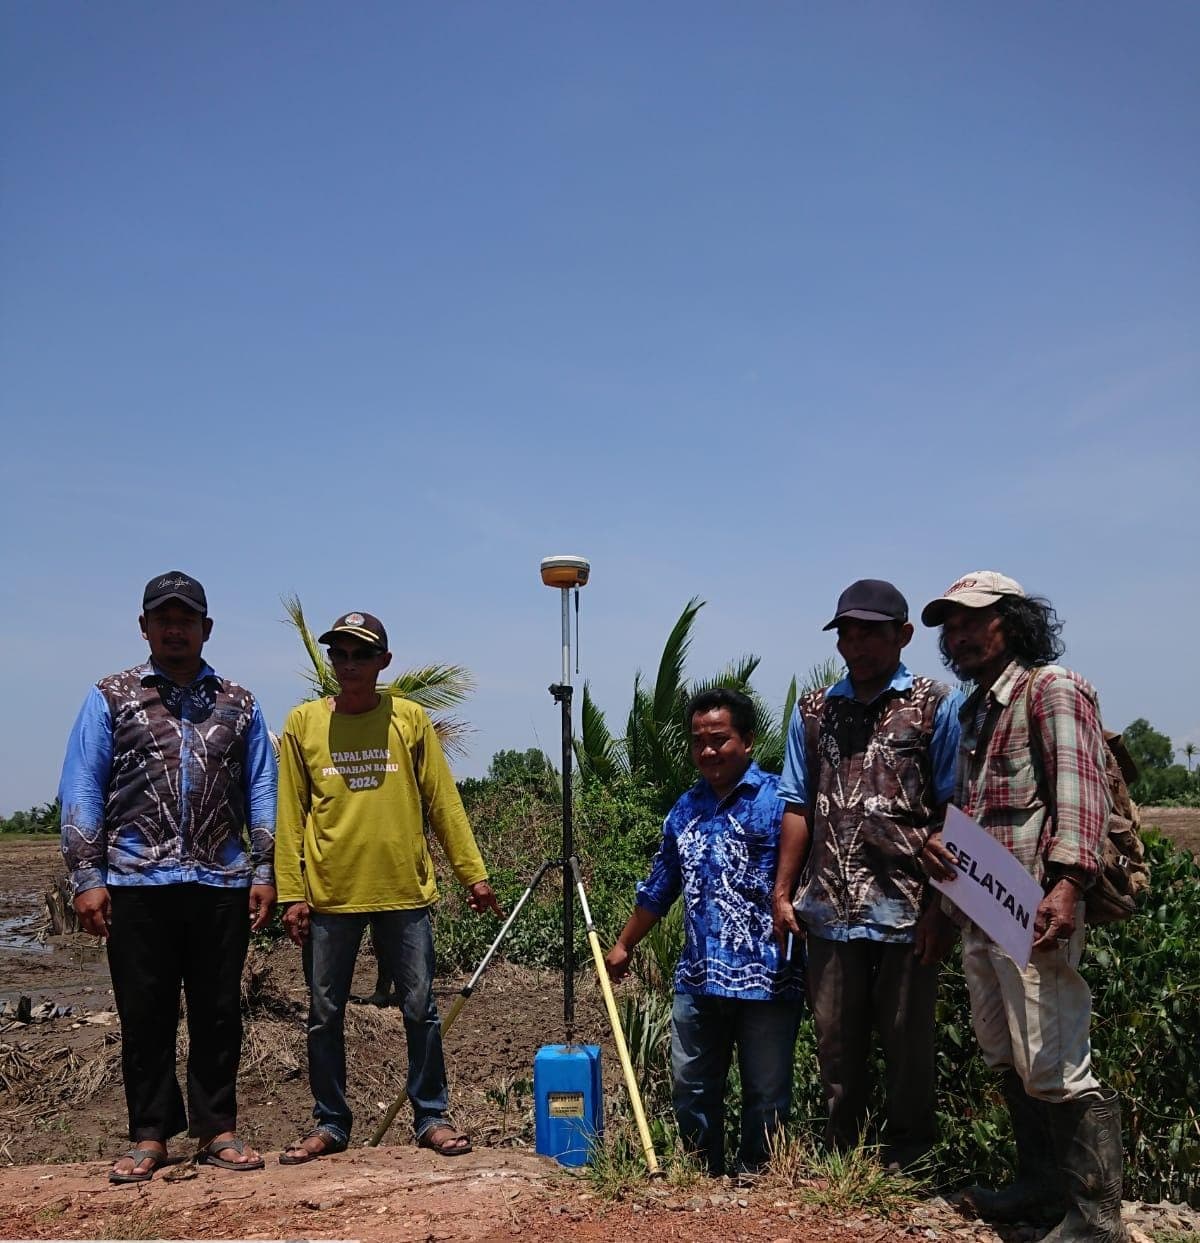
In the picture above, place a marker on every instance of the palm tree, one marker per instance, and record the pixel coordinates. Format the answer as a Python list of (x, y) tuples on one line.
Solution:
[(434, 687), (655, 747), (1189, 752)]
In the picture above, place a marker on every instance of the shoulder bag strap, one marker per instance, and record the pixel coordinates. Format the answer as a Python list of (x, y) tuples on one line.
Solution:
[(1037, 755)]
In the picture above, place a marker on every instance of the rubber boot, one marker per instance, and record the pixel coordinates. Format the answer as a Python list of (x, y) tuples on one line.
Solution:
[(1087, 1146), (1035, 1195)]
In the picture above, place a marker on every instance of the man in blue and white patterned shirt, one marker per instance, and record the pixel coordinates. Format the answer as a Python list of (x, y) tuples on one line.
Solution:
[(169, 769), (733, 986)]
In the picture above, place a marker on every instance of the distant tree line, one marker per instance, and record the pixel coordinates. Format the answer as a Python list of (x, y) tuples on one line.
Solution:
[(1161, 781), (43, 819)]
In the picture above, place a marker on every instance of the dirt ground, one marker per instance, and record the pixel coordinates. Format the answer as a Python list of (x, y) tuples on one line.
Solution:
[(62, 1117), (489, 1052), (402, 1195), (1180, 824)]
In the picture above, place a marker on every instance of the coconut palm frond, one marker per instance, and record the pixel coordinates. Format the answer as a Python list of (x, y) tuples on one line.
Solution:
[(669, 685), (769, 735), (452, 734), (736, 676), (656, 748), (596, 751), (639, 711), (789, 704), (668, 750), (321, 677), (434, 687), (823, 673), (740, 671)]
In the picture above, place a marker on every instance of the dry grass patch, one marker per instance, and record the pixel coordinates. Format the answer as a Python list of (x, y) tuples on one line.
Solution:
[(841, 1183)]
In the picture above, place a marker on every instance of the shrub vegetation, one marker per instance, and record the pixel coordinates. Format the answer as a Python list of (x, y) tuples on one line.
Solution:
[(1144, 975)]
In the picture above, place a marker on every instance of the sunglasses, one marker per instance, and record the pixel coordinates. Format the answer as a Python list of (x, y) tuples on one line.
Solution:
[(358, 655)]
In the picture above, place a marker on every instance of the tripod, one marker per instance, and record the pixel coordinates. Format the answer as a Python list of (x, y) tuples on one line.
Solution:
[(564, 576)]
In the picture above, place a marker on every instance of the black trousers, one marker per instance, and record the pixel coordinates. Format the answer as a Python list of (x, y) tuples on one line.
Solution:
[(164, 938), (855, 988)]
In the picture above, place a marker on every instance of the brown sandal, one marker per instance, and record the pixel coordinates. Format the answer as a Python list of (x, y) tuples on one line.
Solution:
[(297, 1154), (448, 1145)]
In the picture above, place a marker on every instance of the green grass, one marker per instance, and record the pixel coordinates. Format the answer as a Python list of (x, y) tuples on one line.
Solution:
[(618, 1165), (842, 1182)]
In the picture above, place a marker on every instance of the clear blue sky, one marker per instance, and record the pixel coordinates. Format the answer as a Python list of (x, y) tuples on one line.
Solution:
[(381, 303)]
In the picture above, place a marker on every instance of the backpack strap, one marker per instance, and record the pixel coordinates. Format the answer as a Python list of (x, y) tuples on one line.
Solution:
[(1035, 739), (1037, 755)]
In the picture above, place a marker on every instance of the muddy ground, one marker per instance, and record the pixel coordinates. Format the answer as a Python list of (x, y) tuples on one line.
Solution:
[(62, 1116), (64, 1100)]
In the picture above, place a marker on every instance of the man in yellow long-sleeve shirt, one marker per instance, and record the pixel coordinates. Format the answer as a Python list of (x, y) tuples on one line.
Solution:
[(358, 775)]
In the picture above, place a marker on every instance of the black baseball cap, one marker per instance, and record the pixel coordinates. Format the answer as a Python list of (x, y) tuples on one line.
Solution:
[(870, 599), (361, 626), (174, 585)]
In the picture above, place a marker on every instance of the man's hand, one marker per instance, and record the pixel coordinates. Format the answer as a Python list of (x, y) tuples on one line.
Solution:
[(936, 934), (617, 962), (295, 920), (94, 908), (262, 903), (937, 861), (481, 898), (783, 917), (1055, 918)]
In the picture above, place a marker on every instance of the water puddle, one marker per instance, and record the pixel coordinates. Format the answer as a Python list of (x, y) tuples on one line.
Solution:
[(20, 932)]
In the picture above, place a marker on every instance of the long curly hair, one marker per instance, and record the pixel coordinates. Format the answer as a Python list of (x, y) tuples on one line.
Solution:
[(1032, 629)]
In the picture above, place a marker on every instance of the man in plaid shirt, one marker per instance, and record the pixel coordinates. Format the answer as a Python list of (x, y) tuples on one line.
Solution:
[(1031, 771)]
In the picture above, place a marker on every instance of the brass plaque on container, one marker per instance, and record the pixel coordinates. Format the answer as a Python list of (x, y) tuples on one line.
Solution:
[(565, 1104)]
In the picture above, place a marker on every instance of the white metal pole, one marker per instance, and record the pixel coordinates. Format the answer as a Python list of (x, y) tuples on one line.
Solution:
[(566, 635)]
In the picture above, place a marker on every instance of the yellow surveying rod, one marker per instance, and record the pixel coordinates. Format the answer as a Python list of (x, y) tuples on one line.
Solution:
[(635, 1097)]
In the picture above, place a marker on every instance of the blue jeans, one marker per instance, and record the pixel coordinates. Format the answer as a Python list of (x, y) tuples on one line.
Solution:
[(704, 1031), (329, 956)]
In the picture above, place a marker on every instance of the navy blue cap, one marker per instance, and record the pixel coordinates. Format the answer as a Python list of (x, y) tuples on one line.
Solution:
[(870, 599)]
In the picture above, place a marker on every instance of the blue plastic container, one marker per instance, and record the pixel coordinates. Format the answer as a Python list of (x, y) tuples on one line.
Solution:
[(568, 1101)]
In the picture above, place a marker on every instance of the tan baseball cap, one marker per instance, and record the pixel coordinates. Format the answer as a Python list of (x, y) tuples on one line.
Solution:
[(974, 591)]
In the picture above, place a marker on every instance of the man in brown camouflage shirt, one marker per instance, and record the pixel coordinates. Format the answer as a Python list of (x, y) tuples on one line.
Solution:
[(869, 770)]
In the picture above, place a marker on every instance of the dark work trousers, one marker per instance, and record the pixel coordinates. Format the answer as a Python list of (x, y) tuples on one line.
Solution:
[(164, 937), (856, 987)]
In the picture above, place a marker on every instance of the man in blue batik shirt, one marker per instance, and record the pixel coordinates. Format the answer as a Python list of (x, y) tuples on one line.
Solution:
[(168, 769), (734, 985)]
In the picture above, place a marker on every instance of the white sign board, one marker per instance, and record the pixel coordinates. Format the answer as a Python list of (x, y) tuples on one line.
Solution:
[(991, 889)]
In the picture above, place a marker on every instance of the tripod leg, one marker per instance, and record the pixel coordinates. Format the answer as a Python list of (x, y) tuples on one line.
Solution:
[(467, 989), (635, 1096)]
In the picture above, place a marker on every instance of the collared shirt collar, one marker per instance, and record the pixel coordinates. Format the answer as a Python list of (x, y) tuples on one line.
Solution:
[(1003, 687), (151, 673), (902, 680), (1001, 690), (752, 777)]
